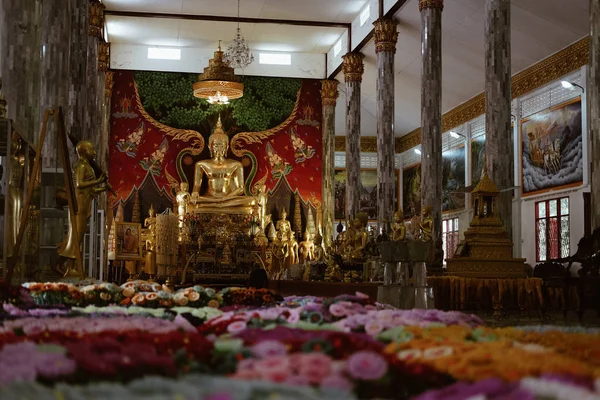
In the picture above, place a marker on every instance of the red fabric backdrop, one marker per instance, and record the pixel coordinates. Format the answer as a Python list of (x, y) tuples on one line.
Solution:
[(142, 148)]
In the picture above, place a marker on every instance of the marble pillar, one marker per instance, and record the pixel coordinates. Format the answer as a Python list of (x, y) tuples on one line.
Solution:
[(20, 50), (593, 89), (353, 69), (431, 117), (498, 147), (54, 71), (93, 118), (386, 36), (78, 71), (329, 95)]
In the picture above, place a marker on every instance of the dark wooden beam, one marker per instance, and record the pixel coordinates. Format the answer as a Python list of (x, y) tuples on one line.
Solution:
[(243, 20), (392, 11)]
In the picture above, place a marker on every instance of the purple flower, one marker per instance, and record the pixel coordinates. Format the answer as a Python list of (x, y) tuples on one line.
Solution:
[(367, 365), (337, 310), (492, 389), (269, 348), (337, 382)]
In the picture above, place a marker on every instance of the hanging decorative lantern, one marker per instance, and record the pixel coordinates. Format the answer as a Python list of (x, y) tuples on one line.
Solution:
[(238, 54), (218, 84)]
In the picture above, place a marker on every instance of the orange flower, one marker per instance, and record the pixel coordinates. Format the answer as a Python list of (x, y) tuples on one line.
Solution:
[(213, 303), (138, 299), (151, 296), (193, 296)]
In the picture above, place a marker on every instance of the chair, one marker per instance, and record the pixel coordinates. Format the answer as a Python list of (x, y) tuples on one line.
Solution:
[(555, 279)]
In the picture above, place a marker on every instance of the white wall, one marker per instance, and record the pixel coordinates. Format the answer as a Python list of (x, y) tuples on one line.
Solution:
[(135, 57)]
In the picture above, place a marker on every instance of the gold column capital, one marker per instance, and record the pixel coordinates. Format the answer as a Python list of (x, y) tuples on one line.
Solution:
[(353, 67), (103, 55), (96, 10), (329, 92), (425, 4), (385, 34), (109, 81)]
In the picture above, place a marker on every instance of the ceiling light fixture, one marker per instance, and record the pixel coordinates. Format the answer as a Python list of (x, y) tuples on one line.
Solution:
[(218, 84), (456, 135), (238, 54), (571, 85)]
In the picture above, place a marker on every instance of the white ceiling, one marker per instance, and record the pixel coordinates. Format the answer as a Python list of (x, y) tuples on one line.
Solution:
[(539, 29)]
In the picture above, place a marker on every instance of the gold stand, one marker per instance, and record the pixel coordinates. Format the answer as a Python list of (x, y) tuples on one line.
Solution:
[(70, 273)]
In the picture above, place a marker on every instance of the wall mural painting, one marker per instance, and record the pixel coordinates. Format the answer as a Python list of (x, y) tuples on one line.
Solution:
[(477, 159), (411, 191), (552, 151), (453, 177), (368, 193), (158, 134)]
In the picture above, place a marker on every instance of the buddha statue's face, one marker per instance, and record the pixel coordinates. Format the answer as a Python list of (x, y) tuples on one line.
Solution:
[(398, 216), (219, 146), (283, 214), (184, 186)]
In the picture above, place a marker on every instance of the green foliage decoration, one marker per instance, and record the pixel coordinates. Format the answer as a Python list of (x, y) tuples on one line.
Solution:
[(168, 97)]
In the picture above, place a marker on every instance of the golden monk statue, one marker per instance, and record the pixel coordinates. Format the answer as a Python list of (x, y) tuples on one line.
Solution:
[(398, 227), (307, 247), (293, 246), (426, 224), (15, 190), (150, 223), (360, 236), (225, 178), (86, 187)]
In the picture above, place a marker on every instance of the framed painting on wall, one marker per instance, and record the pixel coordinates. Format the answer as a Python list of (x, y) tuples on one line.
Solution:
[(552, 149), (411, 191), (368, 192), (477, 159), (128, 241), (453, 177)]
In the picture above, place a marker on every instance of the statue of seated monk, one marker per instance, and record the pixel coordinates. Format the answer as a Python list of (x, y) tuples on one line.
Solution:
[(225, 178)]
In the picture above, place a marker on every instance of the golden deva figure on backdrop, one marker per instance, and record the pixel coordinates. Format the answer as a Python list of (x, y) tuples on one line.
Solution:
[(426, 225), (86, 187), (398, 227), (225, 178)]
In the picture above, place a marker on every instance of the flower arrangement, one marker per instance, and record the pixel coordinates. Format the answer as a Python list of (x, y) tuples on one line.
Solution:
[(53, 294), (249, 297)]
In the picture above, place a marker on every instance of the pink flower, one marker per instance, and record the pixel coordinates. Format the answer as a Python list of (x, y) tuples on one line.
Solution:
[(236, 327), (294, 317), (373, 327), (297, 380), (315, 366), (367, 365), (278, 376), (337, 382), (272, 364), (246, 364), (246, 374), (269, 348), (361, 295), (337, 310)]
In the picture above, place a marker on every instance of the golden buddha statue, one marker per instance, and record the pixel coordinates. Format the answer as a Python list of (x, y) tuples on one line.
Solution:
[(150, 223), (426, 224), (16, 171), (398, 227), (360, 236), (293, 246), (225, 193), (307, 248), (283, 225), (183, 199), (86, 187)]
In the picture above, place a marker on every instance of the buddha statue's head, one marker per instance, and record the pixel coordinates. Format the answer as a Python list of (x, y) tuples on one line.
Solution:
[(218, 142), (151, 211), (283, 214), (85, 149), (399, 216), (426, 211), (183, 186), (307, 235)]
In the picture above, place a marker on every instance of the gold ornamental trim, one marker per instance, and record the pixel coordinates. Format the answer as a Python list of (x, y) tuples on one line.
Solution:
[(109, 81), (96, 15), (103, 56), (385, 35), (241, 138), (425, 4), (205, 89), (329, 92), (542, 73), (353, 67), (368, 144), (194, 138)]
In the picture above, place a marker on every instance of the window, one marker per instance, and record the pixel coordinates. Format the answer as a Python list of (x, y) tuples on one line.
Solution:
[(449, 236), (275, 58), (552, 229), (365, 14), (158, 53)]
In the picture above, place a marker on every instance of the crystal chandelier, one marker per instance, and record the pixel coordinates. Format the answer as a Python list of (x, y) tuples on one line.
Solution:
[(218, 99), (238, 54)]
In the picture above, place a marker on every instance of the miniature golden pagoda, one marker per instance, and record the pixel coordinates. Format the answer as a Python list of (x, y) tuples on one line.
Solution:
[(486, 250)]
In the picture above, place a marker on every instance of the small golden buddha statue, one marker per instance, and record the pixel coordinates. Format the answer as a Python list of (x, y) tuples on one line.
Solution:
[(225, 178), (283, 225), (87, 185), (150, 223), (398, 227), (293, 246), (426, 224), (307, 248), (183, 199), (360, 236)]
